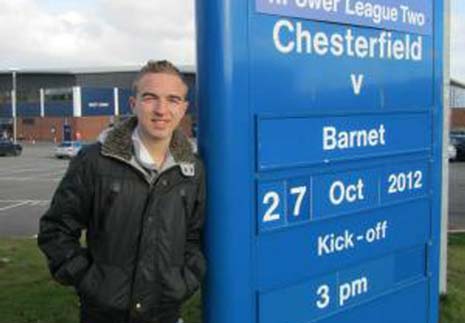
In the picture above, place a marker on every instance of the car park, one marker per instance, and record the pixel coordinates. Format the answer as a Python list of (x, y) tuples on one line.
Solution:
[(68, 149), (9, 148)]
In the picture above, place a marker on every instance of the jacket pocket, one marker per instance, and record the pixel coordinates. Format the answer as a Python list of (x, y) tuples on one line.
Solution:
[(174, 286), (89, 285), (105, 286)]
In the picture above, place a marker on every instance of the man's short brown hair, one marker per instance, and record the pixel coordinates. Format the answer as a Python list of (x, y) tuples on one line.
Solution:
[(163, 66)]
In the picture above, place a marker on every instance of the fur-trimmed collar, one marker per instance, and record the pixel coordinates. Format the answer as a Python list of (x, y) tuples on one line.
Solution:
[(118, 143)]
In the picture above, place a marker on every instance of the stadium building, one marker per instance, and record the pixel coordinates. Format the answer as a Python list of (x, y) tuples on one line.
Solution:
[(76, 104), (457, 105)]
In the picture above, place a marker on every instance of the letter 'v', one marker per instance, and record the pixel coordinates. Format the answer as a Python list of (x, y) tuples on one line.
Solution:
[(357, 81)]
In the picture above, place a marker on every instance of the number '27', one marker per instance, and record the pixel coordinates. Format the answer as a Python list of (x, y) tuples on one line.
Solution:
[(283, 203)]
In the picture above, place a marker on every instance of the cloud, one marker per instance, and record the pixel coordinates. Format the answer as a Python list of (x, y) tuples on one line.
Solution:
[(457, 45), (109, 33), (158, 29)]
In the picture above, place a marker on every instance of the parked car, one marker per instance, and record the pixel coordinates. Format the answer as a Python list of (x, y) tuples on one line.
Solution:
[(68, 149), (9, 148), (451, 152), (457, 139)]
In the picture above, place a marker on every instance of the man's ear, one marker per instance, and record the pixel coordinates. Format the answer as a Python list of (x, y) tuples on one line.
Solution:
[(186, 105), (132, 103), (181, 112)]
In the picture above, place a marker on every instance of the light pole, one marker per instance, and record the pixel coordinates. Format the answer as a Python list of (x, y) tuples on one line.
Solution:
[(13, 102)]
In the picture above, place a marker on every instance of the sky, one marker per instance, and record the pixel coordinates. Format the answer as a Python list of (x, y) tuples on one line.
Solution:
[(91, 33), (457, 40)]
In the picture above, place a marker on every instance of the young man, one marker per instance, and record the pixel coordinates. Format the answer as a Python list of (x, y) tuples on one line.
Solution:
[(139, 193)]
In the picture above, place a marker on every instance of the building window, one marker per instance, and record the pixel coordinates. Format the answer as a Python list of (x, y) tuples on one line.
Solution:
[(28, 96), (5, 97), (457, 97), (59, 94)]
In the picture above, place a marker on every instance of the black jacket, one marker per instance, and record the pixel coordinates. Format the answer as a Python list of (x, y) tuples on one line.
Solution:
[(143, 254)]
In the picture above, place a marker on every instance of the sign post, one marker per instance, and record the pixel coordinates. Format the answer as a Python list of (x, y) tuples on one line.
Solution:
[(321, 130)]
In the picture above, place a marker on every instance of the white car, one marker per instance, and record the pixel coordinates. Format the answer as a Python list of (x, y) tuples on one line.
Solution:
[(68, 149), (451, 151)]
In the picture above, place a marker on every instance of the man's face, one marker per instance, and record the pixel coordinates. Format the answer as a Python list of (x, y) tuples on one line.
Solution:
[(159, 105)]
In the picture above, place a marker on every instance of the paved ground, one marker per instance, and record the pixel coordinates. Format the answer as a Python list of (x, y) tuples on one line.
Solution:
[(27, 184)]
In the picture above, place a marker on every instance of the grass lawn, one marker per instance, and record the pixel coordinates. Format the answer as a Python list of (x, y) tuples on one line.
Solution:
[(28, 295), (453, 305)]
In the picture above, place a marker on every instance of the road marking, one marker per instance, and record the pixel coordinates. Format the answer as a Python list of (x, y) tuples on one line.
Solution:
[(18, 203), (32, 179), (48, 174), (21, 169), (33, 170), (13, 206)]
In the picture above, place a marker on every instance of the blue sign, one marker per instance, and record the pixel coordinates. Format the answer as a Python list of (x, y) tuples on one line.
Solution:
[(345, 192), (365, 76), (320, 126), (291, 201), (5, 110), (28, 109), (346, 288), (58, 108), (283, 203), (324, 246), (97, 101), (23, 109), (339, 138), (414, 16)]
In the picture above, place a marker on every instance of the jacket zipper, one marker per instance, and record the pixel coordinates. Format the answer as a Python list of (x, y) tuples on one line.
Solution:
[(152, 187), (139, 241)]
